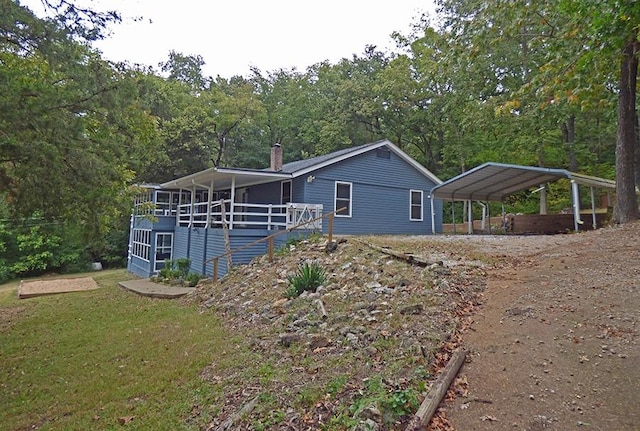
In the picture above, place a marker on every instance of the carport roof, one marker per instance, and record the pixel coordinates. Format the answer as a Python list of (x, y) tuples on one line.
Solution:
[(495, 181)]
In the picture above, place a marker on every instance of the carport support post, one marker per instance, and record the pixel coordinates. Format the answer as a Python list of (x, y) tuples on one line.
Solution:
[(470, 218), (593, 208), (575, 195), (453, 215)]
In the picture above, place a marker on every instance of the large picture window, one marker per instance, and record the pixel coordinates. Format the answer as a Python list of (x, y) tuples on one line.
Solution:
[(141, 244), (415, 210), (343, 199)]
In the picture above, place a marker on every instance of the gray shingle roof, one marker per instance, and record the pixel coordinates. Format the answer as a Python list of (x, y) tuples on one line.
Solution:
[(290, 168)]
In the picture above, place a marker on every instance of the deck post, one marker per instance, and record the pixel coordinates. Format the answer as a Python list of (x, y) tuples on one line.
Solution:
[(215, 269), (269, 217), (270, 249), (331, 227)]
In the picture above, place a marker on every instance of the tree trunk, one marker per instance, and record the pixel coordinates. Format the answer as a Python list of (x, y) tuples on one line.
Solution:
[(626, 202), (637, 146), (569, 138)]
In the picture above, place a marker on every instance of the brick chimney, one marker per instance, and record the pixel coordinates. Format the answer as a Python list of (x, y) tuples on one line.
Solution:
[(276, 158)]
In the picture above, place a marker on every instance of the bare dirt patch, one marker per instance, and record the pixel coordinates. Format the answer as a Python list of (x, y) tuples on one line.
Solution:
[(29, 289), (555, 344)]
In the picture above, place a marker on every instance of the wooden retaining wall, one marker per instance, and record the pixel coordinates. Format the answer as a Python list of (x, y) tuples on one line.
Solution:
[(521, 224)]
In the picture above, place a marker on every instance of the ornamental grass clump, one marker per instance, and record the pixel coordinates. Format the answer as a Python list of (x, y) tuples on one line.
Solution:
[(308, 278)]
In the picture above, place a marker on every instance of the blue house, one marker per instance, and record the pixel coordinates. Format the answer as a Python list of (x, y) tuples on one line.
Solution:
[(376, 188)]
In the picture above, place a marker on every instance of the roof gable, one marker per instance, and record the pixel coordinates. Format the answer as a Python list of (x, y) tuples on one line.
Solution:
[(303, 167), (226, 177)]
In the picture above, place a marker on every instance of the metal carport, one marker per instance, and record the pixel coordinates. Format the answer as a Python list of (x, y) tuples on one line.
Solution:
[(493, 182)]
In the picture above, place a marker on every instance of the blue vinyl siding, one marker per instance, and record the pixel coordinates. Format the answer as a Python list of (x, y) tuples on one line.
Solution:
[(181, 242), (139, 267), (197, 244), (380, 195)]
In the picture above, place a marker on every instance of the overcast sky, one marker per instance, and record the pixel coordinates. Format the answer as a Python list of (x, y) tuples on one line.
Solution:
[(233, 35)]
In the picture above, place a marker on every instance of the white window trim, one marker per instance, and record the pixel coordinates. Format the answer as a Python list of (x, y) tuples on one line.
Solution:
[(411, 192), (139, 246), (335, 199), (155, 251)]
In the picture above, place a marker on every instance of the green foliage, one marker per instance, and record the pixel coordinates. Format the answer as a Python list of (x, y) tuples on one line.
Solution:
[(308, 277), (38, 246), (392, 403), (179, 271), (193, 278), (183, 265)]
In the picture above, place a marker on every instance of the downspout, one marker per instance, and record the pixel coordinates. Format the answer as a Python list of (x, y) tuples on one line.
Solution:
[(433, 217), (576, 205)]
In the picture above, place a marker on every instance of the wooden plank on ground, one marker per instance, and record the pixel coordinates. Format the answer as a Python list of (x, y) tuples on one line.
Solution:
[(437, 392)]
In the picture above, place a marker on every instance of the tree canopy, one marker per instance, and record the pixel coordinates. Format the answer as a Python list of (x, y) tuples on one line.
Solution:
[(548, 83)]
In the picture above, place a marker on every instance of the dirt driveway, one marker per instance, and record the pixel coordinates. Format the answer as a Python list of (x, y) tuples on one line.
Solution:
[(555, 343)]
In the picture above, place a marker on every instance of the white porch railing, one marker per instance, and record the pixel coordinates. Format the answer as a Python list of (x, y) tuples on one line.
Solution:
[(246, 215)]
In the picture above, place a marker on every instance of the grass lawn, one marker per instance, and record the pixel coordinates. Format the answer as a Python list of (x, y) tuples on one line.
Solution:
[(101, 358)]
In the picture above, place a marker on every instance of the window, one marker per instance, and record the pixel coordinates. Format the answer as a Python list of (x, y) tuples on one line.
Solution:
[(285, 192), (141, 245), (143, 203), (163, 206), (415, 210), (164, 244), (343, 199)]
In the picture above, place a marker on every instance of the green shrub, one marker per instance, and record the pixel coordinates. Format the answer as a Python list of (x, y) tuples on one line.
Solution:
[(193, 278), (183, 265), (179, 270), (308, 277)]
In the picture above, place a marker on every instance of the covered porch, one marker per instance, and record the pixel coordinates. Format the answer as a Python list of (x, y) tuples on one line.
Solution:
[(220, 197)]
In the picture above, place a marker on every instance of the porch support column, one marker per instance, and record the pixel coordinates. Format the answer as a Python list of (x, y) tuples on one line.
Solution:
[(192, 206), (209, 203), (179, 206), (575, 196), (233, 200)]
